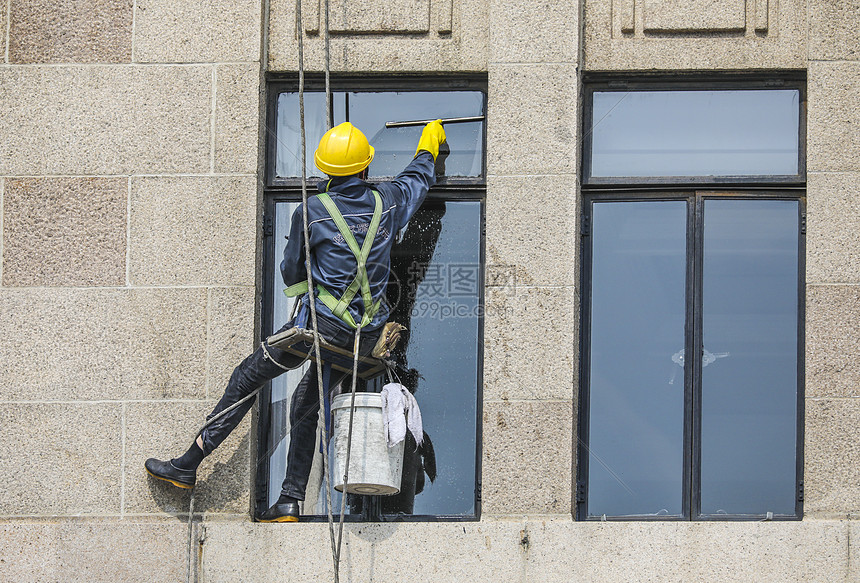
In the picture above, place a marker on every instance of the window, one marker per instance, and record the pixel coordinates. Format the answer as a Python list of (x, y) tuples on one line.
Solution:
[(693, 244), (435, 288)]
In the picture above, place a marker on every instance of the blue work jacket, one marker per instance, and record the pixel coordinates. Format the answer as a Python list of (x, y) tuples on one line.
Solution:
[(332, 263)]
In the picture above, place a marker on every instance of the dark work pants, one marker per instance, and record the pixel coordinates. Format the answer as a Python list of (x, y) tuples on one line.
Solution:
[(258, 369)]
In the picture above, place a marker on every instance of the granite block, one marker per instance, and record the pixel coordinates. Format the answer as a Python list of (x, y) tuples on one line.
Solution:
[(833, 142), (165, 430), (832, 467), (93, 550), (105, 120), (237, 113), (231, 333), (197, 31), (2, 196), (193, 230), (832, 237), (65, 344), (546, 319), (532, 119), (64, 231), (95, 31), (404, 552), (833, 26), (534, 31), (545, 550), (540, 549), (712, 552), (540, 250), (854, 551), (833, 341), (60, 459), (527, 457), (3, 38)]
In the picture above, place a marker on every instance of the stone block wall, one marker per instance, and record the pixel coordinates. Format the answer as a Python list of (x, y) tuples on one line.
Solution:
[(531, 214), (833, 261), (129, 148), (128, 213)]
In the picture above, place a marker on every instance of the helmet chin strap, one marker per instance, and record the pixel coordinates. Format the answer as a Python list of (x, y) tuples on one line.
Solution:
[(361, 176)]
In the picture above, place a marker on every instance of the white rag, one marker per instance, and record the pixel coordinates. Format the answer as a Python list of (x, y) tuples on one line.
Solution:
[(399, 411)]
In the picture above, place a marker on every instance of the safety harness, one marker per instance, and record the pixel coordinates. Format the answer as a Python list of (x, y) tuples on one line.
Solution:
[(339, 307)]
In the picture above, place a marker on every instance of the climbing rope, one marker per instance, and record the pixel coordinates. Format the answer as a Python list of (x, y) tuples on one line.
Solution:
[(335, 545), (311, 298), (336, 548)]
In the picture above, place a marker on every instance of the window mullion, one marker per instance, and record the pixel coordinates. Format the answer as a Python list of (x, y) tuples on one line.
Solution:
[(693, 370)]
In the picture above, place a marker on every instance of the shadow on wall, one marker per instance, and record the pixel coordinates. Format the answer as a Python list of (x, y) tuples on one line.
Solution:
[(365, 565), (217, 493)]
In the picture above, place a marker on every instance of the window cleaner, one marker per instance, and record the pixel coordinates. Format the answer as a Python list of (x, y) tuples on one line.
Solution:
[(351, 227)]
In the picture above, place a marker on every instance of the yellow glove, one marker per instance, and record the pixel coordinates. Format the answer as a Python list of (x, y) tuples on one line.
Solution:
[(431, 137)]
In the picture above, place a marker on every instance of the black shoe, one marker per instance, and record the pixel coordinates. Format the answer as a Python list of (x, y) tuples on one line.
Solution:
[(166, 471), (288, 512)]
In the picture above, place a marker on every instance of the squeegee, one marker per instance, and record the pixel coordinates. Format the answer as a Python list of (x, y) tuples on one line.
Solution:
[(421, 122)]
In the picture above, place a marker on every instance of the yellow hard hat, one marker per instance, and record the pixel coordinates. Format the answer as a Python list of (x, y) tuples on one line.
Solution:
[(343, 151)]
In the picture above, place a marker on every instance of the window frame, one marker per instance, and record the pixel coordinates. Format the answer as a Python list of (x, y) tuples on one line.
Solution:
[(695, 192), (691, 82), (277, 190), (315, 83)]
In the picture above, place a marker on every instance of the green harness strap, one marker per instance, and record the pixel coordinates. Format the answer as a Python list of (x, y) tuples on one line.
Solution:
[(361, 282)]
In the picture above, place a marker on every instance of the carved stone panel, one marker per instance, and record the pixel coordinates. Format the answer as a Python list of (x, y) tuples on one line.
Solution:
[(695, 34), (390, 35), (685, 17), (380, 16), (695, 15)]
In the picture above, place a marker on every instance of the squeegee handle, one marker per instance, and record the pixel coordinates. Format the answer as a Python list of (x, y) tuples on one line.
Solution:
[(421, 122)]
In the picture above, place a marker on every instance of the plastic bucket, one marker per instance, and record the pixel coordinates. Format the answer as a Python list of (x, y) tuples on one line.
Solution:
[(374, 468)]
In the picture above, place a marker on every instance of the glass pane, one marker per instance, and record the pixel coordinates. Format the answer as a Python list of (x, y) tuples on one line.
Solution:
[(395, 147), (636, 372), (695, 133), (435, 293), (284, 385), (288, 162), (749, 378), (438, 265)]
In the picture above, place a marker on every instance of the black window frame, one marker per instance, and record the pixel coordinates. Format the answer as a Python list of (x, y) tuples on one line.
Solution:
[(595, 82), (401, 83), (695, 191), (277, 190)]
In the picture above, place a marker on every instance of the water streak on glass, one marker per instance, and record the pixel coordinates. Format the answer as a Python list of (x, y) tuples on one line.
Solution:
[(695, 133), (749, 398), (636, 387)]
